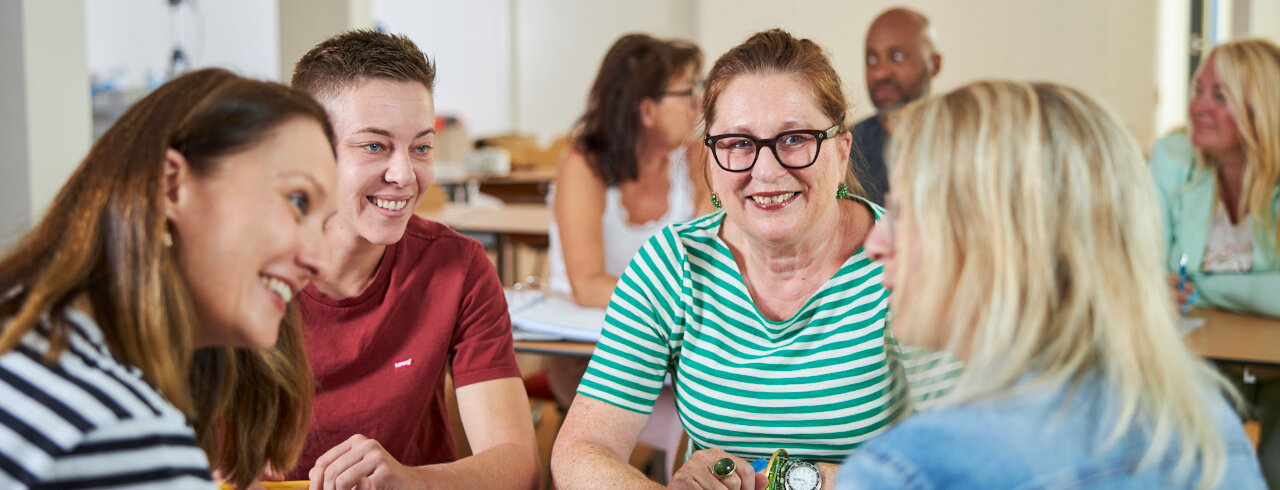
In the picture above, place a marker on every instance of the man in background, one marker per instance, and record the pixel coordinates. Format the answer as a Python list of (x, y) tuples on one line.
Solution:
[(900, 61)]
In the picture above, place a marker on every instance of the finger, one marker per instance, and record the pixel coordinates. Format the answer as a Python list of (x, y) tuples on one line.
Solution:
[(762, 480), (340, 467), (705, 479), (357, 475), (745, 474), (316, 475)]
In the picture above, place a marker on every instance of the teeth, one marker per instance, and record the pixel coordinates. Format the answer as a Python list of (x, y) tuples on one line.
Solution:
[(277, 286), (773, 199), (391, 205)]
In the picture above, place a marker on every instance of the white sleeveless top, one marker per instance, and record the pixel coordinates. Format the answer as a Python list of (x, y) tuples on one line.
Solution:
[(621, 238)]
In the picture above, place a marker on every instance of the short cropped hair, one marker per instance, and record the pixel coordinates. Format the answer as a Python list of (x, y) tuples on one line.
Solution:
[(347, 59)]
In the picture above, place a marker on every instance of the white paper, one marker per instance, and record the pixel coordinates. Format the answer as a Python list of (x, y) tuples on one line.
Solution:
[(559, 316)]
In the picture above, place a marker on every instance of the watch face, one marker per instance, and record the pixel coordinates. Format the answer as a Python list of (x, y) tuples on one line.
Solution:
[(803, 476)]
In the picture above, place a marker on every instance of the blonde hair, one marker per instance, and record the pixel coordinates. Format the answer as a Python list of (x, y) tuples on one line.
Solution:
[(1039, 227), (1249, 72)]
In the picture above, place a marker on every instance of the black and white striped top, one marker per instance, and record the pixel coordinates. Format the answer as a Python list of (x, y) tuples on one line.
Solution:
[(89, 421)]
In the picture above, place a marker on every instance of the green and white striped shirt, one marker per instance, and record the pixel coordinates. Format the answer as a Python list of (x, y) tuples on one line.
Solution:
[(818, 384)]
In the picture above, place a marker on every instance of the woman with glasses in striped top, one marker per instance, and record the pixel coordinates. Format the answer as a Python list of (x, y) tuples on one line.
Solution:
[(768, 314)]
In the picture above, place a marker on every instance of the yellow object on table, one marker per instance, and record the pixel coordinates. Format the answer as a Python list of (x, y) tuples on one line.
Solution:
[(285, 485)]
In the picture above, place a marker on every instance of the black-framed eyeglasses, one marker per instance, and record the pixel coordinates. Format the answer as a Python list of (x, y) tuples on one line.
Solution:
[(794, 149), (697, 88)]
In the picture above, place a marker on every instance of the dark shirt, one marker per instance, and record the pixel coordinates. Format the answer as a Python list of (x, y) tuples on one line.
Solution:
[(867, 158)]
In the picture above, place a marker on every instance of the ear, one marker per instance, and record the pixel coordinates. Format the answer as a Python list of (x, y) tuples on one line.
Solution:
[(648, 113), (176, 180), (846, 144), (937, 64)]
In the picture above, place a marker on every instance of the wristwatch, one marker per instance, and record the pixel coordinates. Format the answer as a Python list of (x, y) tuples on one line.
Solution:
[(785, 473)]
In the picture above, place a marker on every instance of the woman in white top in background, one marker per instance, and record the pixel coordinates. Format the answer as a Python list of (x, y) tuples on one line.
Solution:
[(626, 174)]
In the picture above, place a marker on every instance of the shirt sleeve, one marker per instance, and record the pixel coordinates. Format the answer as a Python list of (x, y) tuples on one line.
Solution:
[(869, 468), (1170, 165), (482, 347), (634, 352)]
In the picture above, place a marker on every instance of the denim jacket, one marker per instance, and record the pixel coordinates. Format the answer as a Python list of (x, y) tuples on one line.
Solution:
[(1044, 437)]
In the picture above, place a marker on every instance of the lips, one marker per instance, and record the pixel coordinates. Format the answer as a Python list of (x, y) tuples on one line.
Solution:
[(281, 287)]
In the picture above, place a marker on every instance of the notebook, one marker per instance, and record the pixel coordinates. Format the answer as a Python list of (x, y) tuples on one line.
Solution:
[(555, 316)]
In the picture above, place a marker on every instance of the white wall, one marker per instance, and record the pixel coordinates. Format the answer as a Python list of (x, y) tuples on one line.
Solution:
[(131, 39), (561, 43), (470, 43), (1103, 47), (1264, 19)]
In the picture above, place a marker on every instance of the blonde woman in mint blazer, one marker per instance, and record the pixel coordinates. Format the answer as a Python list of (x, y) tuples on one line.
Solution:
[(1221, 179), (1219, 187)]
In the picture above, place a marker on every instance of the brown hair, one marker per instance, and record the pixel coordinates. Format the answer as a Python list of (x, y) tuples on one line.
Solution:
[(344, 60), (777, 52), (636, 67), (100, 244)]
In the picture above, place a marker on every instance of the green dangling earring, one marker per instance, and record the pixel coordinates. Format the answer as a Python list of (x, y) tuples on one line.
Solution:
[(842, 192), (715, 201)]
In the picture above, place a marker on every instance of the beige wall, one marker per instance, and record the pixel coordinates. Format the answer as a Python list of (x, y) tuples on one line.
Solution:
[(1105, 48), (56, 80), (303, 23)]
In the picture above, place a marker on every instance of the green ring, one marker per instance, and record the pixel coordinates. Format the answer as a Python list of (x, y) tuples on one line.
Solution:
[(723, 467)]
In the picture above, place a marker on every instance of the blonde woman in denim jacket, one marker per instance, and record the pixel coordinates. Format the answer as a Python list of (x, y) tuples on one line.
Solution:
[(1023, 238)]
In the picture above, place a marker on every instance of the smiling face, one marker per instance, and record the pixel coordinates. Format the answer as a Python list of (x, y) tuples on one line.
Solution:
[(385, 133), (1213, 126), (249, 234), (770, 202)]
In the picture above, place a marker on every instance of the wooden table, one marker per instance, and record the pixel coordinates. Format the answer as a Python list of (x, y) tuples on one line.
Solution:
[(1234, 337), (519, 186), (556, 347), (518, 221)]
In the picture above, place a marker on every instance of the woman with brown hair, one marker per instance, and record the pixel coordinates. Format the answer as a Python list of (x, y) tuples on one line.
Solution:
[(147, 316), (768, 314)]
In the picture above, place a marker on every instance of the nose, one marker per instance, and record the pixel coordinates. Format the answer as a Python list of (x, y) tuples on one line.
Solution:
[(767, 167), (878, 246), (399, 170), (877, 72)]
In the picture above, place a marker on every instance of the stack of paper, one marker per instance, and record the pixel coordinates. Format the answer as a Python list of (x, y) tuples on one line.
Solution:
[(559, 316)]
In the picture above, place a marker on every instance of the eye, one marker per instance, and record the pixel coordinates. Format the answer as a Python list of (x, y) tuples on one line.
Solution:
[(373, 147), (898, 57), (300, 200), (1219, 96), (794, 139), (422, 149), (872, 60)]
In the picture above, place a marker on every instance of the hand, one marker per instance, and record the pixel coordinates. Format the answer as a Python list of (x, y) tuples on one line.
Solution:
[(696, 473), (360, 462), (1181, 296)]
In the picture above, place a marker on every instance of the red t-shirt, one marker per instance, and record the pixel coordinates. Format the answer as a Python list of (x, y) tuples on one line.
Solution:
[(379, 358)]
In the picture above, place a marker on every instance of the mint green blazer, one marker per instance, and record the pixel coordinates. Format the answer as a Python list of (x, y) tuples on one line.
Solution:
[(1187, 195)]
